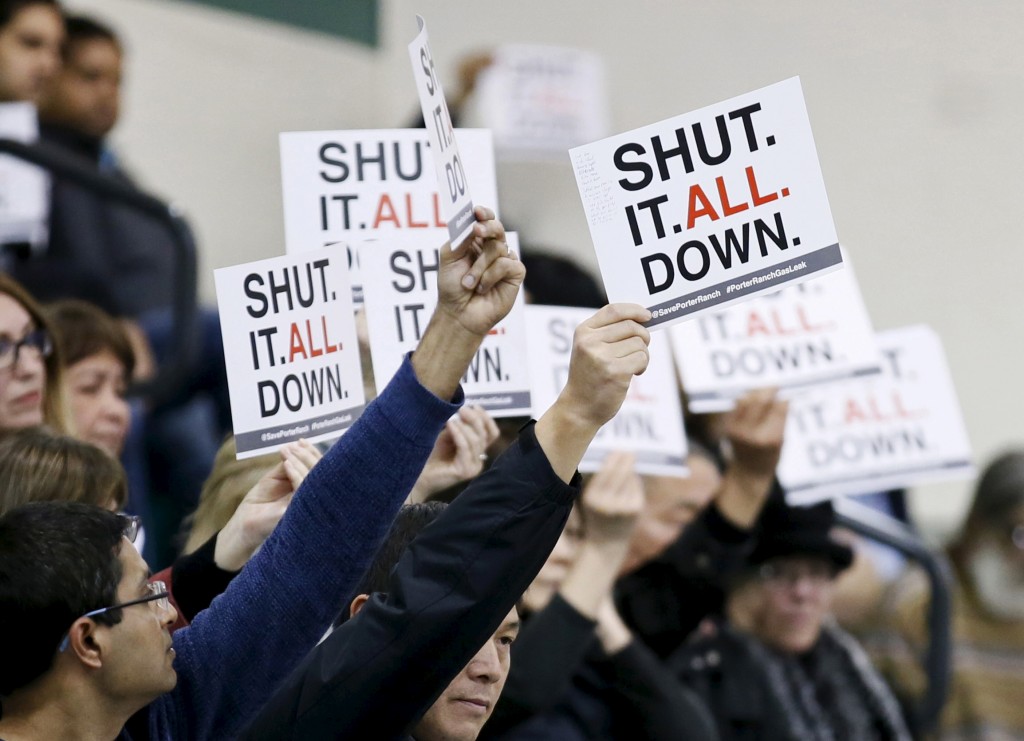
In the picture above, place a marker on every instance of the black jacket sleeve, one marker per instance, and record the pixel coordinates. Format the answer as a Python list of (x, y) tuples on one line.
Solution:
[(650, 703), (664, 600), (196, 579), (549, 650), (378, 673)]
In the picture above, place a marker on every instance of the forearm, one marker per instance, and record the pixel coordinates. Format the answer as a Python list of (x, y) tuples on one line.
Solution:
[(742, 496), (311, 562), (449, 592), (589, 582), (443, 354), (565, 434)]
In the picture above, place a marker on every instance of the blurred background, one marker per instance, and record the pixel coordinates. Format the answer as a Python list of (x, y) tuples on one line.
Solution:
[(916, 107)]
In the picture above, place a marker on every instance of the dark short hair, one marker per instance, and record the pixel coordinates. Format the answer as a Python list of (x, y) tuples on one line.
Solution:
[(10, 8), (409, 522), (558, 281), (79, 29), (58, 561), (83, 330)]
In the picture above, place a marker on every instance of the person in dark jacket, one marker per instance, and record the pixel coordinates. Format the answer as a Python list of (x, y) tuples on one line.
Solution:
[(778, 668), (380, 672), (577, 671)]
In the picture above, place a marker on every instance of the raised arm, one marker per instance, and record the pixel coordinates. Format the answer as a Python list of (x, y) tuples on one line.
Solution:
[(380, 671), (286, 596)]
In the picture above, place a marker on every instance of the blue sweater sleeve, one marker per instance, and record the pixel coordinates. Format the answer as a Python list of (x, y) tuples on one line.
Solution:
[(234, 654), (380, 671)]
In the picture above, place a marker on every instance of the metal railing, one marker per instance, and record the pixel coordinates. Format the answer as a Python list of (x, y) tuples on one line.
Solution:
[(937, 658), (72, 168)]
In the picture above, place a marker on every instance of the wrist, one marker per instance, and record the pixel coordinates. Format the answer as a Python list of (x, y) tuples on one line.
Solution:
[(443, 354), (229, 554)]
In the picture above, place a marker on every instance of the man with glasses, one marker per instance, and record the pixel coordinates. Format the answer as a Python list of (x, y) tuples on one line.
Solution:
[(121, 669), (779, 667)]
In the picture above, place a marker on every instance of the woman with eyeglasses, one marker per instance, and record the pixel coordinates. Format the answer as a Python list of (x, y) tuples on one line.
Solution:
[(30, 367)]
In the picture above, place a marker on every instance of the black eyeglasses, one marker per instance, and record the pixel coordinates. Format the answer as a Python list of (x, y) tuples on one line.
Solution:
[(157, 589), (157, 593), (10, 350)]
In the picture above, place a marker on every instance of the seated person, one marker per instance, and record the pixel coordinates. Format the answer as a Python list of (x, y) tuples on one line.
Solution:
[(577, 671), (778, 667), (68, 577), (987, 557), (378, 673)]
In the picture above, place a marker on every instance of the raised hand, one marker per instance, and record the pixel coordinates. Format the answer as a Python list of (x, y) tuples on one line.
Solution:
[(611, 503), (264, 506), (755, 430), (607, 351), (478, 281), (458, 454)]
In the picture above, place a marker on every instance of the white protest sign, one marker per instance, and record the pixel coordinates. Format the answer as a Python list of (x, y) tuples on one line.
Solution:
[(650, 423), (894, 429), (711, 207), (456, 201), (290, 349), (807, 333), (400, 292), (24, 200), (542, 100), (340, 185)]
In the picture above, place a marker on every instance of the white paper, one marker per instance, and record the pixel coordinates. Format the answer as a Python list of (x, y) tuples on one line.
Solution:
[(811, 332), (650, 422), (290, 349), (400, 294), (452, 183), (704, 225), (24, 188), (895, 429), (543, 100)]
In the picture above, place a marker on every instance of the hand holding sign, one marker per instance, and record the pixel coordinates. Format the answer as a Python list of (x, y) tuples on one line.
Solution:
[(755, 429), (477, 284), (458, 454), (608, 350), (612, 501), (478, 281), (264, 506)]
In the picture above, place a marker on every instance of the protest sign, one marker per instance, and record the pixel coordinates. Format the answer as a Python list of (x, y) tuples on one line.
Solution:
[(711, 207), (542, 100), (807, 333), (341, 185), (400, 292), (452, 183), (898, 428), (24, 201), (650, 422), (290, 349)]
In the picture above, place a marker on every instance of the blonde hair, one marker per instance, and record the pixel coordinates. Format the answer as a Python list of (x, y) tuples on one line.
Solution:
[(228, 483), (55, 413), (39, 466)]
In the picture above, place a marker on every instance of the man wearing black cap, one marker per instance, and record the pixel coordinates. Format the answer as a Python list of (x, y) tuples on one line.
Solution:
[(778, 667)]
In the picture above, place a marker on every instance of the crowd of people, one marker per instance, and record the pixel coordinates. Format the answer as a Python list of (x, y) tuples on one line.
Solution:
[(434, 574)]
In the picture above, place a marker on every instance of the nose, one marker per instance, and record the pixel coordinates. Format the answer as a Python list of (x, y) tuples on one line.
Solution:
[(170, 615), (115, 407), (486, 665), (29, 362)]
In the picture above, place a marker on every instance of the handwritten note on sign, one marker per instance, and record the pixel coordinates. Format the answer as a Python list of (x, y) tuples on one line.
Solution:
[(650, 422), (898, 428), (456, 201), (290, 349), (711, 207), (808, 333), (400, 274)]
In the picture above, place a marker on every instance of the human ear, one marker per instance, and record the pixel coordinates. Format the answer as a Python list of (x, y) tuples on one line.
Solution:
[(357, 604), (85, 643)]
